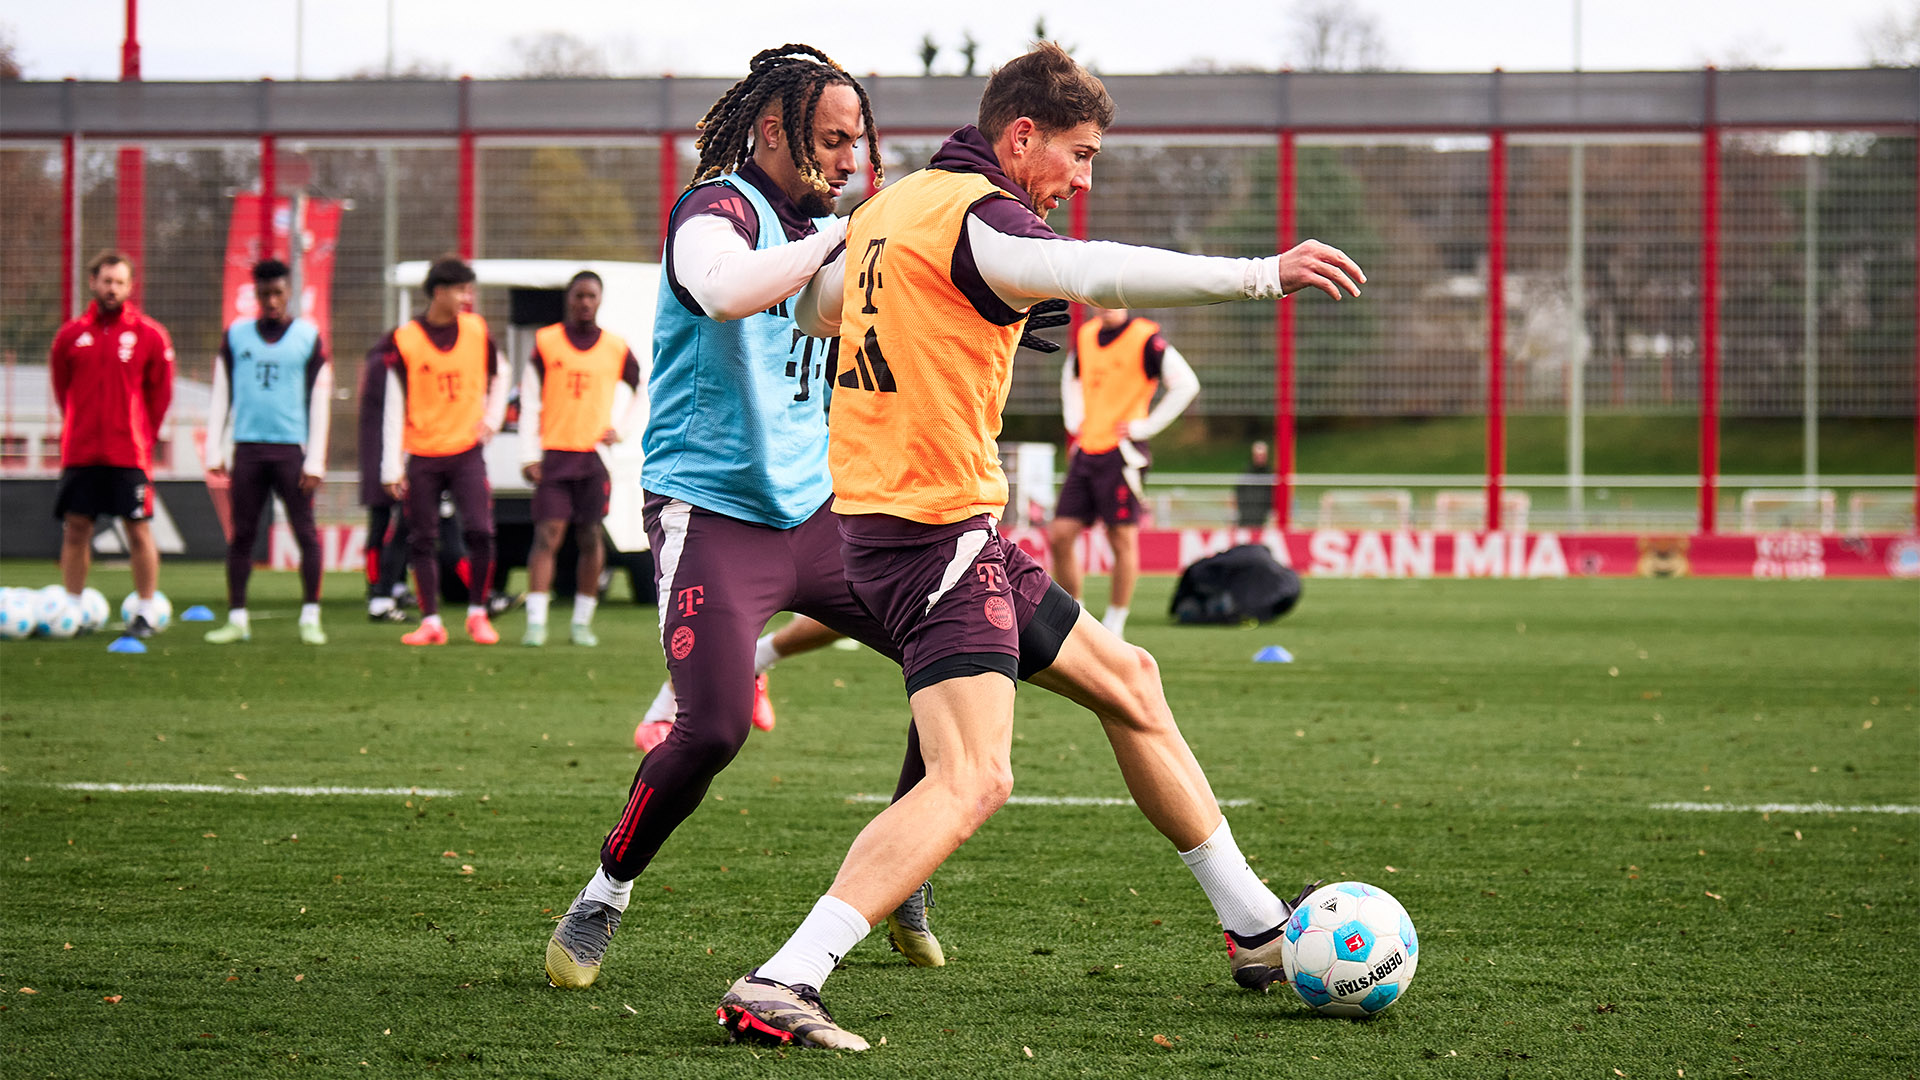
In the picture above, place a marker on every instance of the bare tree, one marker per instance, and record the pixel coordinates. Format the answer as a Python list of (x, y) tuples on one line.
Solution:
[(555, 54), (929, 52), (1329, 35), (968, 49), (1893, 40), (9, 55)]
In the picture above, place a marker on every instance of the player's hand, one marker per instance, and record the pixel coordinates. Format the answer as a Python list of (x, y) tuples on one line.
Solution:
[(1124, 430), (1044, 315), (483, 431), (610, 437), (217, 472), (397, 489), (309, 483), (1321, 266), (531, 470)]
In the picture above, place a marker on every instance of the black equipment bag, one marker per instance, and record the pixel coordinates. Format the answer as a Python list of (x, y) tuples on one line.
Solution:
[(1245, 584)]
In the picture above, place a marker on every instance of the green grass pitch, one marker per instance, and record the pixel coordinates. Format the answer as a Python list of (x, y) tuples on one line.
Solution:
[(1490, 752)]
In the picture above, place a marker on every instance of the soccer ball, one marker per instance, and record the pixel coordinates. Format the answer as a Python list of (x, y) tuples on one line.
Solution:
[(54, 613), (93, 610), (16, 613), (1350, 950), (162, 610)]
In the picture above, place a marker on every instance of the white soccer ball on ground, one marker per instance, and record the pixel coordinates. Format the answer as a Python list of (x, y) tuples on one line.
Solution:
[(162, 614), (1350, 950), (94, 611), (54, 613), (16, 614)]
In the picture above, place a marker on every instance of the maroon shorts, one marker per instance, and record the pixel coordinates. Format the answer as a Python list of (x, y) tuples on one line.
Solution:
[(574, 486), (1104, 487), (960, 599)]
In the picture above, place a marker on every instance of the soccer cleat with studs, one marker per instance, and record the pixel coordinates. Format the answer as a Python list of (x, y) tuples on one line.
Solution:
[(311, 634), (583, 636), (908, 933), (580, 942), (1255, 961), (535, 636), (228, 634), (762, 704), (481, 630), (426, 634), (763, 1009)]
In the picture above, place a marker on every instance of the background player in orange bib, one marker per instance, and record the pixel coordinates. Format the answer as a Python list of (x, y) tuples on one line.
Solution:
[(446, 396), (578, 395), (940, 272), (1118, 363)]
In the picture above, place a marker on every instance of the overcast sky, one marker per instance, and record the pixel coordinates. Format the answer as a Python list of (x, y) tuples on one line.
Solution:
[(249, 39)]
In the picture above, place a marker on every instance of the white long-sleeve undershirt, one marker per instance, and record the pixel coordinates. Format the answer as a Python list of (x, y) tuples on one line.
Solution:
[(1024, 270), (730, 280), (1178, 384)]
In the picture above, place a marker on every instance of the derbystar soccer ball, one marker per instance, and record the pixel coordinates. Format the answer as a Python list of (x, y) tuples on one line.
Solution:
[(162, 614), (1350, 950), (16, 613), (54, 613), (94, 611)]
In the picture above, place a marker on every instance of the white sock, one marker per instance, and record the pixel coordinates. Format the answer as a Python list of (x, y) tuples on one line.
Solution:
[(608, 891), (830, 932), (1115, 620), (764, 655), (665, 706), (583, 606), (309, 614), (537, 608), (74, 599), (476, 609), (238, 617), (144, 607), (380, 605), (433, 621), (1245, 906)]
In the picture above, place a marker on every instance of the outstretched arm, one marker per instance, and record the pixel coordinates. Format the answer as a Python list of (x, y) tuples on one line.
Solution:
[(730, 280), (1022, 269)]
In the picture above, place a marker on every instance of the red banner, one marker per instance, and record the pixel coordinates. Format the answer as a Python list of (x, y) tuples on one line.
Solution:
[(319, 236), (1405, 554)]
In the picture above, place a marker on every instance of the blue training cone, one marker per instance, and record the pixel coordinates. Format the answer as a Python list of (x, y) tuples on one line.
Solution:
[(1273, 654), (197, 613), (127, 645)]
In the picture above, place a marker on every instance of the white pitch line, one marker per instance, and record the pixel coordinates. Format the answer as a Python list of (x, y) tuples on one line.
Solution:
[(1047, 800), (1783, 808), (222, 789)]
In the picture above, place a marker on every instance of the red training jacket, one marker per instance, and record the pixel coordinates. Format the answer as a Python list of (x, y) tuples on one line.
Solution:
[(113, 382)]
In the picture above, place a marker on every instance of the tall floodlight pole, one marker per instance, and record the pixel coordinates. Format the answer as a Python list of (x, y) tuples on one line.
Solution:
[(1810, 326), (1577, 312), (132, 172), (299, 40)]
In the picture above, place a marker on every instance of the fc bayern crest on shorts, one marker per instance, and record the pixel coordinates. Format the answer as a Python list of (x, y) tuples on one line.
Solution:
[(1000, 612), (682, 643)]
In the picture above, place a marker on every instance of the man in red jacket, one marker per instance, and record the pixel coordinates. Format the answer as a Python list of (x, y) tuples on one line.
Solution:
[(112, 372)]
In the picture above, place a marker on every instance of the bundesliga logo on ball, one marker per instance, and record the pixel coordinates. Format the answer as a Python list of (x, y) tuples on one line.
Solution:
[(1350, 950)]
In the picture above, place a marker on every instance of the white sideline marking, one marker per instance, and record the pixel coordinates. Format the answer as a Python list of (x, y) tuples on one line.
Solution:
[(1783, 808), (1047, 800), (222, 789)]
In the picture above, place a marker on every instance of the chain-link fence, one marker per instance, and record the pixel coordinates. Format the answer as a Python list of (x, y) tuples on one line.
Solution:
[(1602, 251)]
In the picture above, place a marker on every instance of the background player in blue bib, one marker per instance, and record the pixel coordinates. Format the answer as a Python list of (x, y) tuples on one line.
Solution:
[(267, 434)]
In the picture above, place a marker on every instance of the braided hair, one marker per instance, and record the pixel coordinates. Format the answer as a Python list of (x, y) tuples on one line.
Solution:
[(795, 75)]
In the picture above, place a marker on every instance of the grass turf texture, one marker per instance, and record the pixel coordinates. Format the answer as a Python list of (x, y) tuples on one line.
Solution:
[(1474, 736)]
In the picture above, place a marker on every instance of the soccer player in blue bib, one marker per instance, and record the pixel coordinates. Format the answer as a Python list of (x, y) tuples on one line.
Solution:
[(736, 479), (267, 433)]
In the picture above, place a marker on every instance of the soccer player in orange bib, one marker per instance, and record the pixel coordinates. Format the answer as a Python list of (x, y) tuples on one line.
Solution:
[(579, 394), (1119, 362), (446, 396), (940, 271)]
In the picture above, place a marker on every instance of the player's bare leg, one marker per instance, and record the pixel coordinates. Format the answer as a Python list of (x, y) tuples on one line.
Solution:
[(1063, 534), (1126, 571), (76, 551), (586, 590), (546, 541), (1120, 684), (145, 557)]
